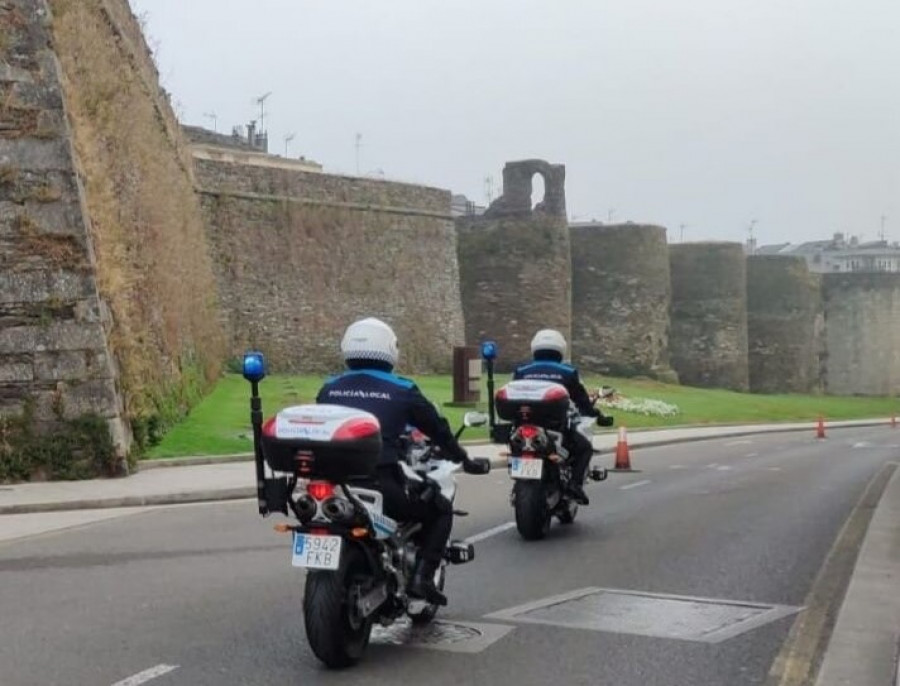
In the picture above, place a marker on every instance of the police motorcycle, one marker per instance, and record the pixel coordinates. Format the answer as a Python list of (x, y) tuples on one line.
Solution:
[(536, 415), (317, 463)]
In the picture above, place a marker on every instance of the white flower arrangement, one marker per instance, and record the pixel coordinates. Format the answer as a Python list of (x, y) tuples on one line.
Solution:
[(648, 407)]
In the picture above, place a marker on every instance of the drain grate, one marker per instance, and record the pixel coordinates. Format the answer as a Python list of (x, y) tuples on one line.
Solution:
[(687, 618), (457, 637)]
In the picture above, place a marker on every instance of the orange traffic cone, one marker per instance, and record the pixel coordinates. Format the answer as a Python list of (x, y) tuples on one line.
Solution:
[(623, 456), (820, 428)]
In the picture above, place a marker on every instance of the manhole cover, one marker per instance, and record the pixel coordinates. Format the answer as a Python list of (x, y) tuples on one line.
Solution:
[(459, 637), (687, 618)]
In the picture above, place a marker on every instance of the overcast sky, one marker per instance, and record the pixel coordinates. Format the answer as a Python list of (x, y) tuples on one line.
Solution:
[(708, 113)]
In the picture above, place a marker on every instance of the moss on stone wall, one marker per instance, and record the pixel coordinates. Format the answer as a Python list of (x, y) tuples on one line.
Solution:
[(79, 448), (153, 267)]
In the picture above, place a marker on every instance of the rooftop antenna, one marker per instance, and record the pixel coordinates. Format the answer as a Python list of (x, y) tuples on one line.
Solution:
[(358, 144), (750, 243), (212, 115), (489, 189), (288, 139), (610, 213), (883, 222), (261, 101)]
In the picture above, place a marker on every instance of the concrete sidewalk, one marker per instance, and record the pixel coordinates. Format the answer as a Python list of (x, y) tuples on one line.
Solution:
[(232, 477), (865, 642)]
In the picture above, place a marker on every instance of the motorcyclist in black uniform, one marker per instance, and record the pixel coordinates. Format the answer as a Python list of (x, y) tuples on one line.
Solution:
[(369, 348), (548, 347)]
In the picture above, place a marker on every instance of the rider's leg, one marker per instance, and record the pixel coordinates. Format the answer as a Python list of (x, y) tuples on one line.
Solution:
[(437, 521), (581, 451)]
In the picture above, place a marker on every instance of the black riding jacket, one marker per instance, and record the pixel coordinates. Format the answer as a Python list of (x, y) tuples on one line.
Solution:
[(557, 372), (397, 403)]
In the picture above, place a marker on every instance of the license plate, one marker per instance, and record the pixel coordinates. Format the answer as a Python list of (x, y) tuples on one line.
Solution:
[(525, 468), (316, 552)]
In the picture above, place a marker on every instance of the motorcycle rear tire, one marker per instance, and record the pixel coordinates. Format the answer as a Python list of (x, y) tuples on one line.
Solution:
[(337, 637), (532, 515)]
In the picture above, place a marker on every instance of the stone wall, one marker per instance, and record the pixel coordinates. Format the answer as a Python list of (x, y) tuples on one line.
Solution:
[(708, 334), (784, 325), (620, 299), (301, 255), (862, 328), (54, 358), (515, 264)]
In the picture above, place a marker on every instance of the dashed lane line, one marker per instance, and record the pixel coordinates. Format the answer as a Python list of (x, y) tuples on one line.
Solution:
[(642, 482), (493, 531), (146, 675)]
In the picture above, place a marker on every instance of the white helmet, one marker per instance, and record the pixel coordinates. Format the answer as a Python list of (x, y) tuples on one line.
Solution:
[(548, 339), (370, 339)]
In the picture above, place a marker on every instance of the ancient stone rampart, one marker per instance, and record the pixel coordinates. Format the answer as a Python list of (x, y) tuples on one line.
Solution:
[(784, 325), (515, 264), (620, 299), (300, 255), (708, 334), (108, 298), (862, 329)]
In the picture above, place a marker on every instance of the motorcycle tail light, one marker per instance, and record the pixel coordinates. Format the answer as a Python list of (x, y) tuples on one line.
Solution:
[(320, 490), (528, 431)]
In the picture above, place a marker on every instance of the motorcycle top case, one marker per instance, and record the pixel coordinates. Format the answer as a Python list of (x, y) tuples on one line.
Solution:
[(344, 443), (535, 402)]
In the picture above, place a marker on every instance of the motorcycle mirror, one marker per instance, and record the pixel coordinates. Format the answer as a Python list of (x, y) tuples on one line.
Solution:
[(254, 366), (471, 419)]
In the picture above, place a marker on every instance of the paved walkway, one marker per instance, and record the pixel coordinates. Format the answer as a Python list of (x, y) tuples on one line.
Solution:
[(233, 477)]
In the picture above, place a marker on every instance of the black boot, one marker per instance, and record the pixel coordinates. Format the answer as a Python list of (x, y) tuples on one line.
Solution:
[(577, 491), (422, 585)]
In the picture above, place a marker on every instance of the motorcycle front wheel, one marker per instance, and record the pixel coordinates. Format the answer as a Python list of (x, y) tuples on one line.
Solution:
[(336, 633), (532, 515)]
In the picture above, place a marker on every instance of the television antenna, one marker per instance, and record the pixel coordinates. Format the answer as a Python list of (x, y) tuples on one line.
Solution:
[(212, 115), (261, 101), (358, 145), (881, 232)]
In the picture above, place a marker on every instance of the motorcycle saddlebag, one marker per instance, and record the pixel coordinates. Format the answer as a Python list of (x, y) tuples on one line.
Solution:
[(330, 441), (534, 402)]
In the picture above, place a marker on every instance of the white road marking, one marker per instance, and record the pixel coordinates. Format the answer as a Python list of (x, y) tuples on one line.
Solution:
[(642, 482), (723, 468), (146, 675), (751, 454), (774, 469), (493, 531), (739, 443), (712, 465), (677, 466)]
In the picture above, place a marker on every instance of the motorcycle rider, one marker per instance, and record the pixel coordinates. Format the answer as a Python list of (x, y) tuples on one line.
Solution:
[(548, 347), (369, 348)]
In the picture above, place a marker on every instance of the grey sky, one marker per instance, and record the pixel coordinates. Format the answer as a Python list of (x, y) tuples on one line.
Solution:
[(708, 113)]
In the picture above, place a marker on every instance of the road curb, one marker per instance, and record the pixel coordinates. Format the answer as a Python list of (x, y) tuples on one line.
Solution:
[(226, 494), (742, 430)]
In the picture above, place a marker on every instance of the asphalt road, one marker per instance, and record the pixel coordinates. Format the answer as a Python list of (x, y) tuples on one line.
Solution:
[(203, 595)]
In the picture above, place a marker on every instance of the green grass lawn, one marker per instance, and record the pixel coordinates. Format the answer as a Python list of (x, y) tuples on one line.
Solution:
[(220, 424)]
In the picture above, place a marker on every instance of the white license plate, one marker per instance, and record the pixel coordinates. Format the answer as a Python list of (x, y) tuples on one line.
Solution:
[(525, 468), (316, 552)]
